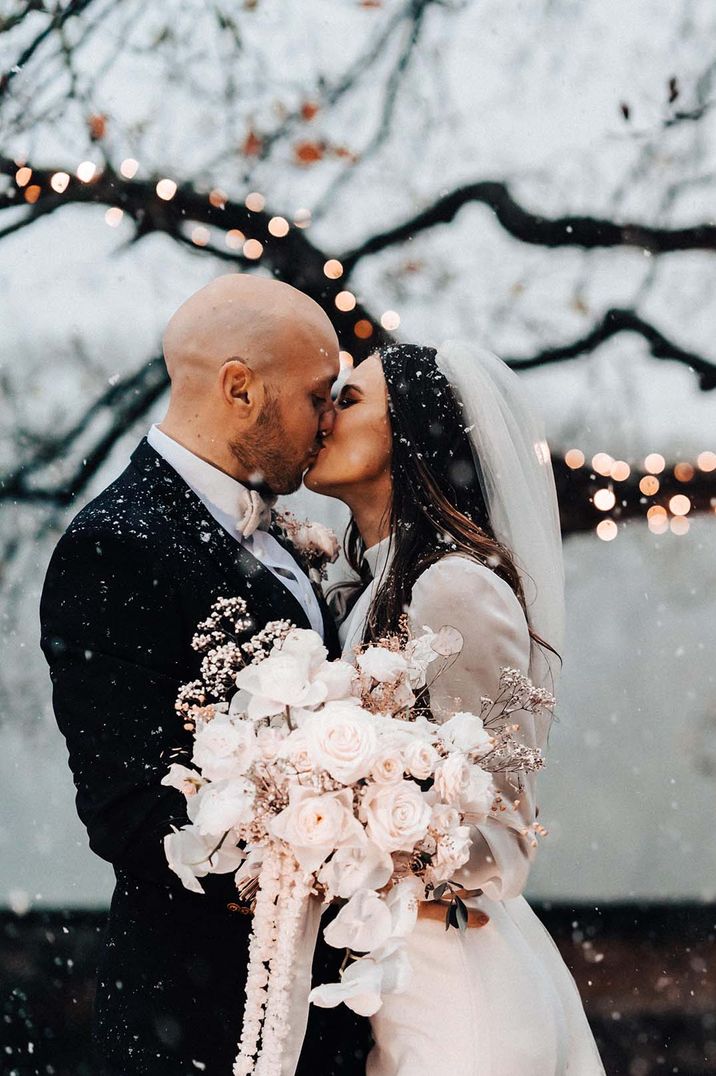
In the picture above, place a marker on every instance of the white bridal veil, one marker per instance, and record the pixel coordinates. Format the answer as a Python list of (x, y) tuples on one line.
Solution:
[(514, 466)]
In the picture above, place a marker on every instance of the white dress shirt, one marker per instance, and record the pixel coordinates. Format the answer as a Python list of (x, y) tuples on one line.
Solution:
[(221, 495)]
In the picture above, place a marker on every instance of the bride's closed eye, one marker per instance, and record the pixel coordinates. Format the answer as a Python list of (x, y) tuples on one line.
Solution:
[(346, 401)]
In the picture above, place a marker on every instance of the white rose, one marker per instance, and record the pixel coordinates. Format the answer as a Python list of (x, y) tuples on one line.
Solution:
[(295, 749), (465, 732), (382, 665), (444, 817), (388, 766), (224, 748), (452, 778), (396, 815), (314, 825), (363, 924), (342, 739), (350, 869), (480, 794), (420, 759), (280, 680)]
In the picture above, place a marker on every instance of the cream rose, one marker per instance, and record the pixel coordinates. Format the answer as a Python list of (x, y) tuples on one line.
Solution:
[(420, 758), (316, 824), (383, 665), (342, 739), (396, 815), (224, 748)]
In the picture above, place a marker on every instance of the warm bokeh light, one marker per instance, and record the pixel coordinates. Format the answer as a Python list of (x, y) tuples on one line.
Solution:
[(200, 235), (166, 189), (620, 471), (278, 226), (390, 320), (602, 463), (255, 202), (607, 530), (604, 499), (302, 218), (574, 458), (655, 463), (657, 511), (679, 505), (113, 216), (253, 249), (679, 525), (658, 525), (649, 485), (218, 198), (235, 239), (23, 176), (86, 171), (59, 182), (363, 329), (32, 193), (333, 269), (128, 168), (706, 461), (683, 472), (346, 359), (345, 301)]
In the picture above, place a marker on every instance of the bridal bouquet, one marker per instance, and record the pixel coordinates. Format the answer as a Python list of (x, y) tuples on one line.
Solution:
[(321, 779)]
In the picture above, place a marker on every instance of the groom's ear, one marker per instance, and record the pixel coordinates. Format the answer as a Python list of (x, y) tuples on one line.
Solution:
[(239, 384)]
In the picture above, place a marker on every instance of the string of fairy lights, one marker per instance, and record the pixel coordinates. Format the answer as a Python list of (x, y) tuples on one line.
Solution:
[(660, 518)]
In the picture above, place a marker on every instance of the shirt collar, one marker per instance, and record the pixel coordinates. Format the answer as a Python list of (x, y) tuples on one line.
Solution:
[(207, 481)]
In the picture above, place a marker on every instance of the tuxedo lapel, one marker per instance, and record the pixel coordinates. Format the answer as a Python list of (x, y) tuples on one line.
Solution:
[(189, 513)]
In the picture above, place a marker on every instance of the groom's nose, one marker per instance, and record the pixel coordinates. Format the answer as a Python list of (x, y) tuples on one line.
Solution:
[(328, 417)]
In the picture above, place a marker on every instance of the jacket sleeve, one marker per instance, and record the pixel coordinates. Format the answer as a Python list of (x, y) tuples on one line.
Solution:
[(468, 596), (111, 633)]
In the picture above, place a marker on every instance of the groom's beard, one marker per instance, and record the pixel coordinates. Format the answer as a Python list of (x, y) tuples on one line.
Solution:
[(262, 453)]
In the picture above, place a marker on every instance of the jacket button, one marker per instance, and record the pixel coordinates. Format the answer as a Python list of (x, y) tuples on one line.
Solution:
[(233, 907)]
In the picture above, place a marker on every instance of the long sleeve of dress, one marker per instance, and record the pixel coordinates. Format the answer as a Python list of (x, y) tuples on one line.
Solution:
[(482, 606)]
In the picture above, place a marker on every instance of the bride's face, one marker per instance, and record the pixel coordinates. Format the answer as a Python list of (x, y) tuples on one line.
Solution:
[(356, 453)]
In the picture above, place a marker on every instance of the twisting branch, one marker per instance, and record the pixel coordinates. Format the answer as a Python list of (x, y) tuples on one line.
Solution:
[(617, 321), (58, 20), (587, 232)]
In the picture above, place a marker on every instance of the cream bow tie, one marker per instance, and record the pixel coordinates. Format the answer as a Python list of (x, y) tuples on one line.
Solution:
[(254, 512)]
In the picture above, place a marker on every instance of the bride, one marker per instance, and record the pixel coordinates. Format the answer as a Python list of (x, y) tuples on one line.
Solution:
[(454, 519)]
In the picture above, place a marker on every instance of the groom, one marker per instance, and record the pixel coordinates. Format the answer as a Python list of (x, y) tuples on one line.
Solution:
[(251, 363)]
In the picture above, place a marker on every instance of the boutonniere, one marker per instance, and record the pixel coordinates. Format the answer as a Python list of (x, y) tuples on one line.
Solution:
[(316, 545)]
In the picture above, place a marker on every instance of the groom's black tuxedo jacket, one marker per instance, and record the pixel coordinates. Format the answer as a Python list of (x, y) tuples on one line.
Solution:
[(128, 583)]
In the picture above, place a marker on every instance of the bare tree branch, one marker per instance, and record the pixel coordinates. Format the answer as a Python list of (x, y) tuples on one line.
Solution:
[(617, 321), (58, 20), (587, 232)]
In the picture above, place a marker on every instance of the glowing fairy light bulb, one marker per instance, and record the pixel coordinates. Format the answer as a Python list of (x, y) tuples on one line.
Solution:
[(333, 269), (574, 458), (649, 485), (86, 171), (706, 461), (607, 530), (128, 168), (620, 471), (390, 320), (23, 176), (60, 182), (345, 301), (166, 189), (253, 249), (679, 505), (602, 463), (235, 239), (113, 216), (604, 499), (255, 202), (278, 226), (655, 463), (200, 236)]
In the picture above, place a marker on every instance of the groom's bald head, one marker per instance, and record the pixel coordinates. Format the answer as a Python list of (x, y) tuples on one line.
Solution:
[(251, 361)]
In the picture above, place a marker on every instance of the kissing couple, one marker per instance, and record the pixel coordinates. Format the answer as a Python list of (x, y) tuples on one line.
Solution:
[(446, 472)]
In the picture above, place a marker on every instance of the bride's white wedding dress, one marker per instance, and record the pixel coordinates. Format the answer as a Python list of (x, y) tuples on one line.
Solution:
[(496, 1000)]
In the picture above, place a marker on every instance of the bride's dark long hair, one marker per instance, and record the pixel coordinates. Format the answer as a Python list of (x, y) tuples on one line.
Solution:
[(437, 506)]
